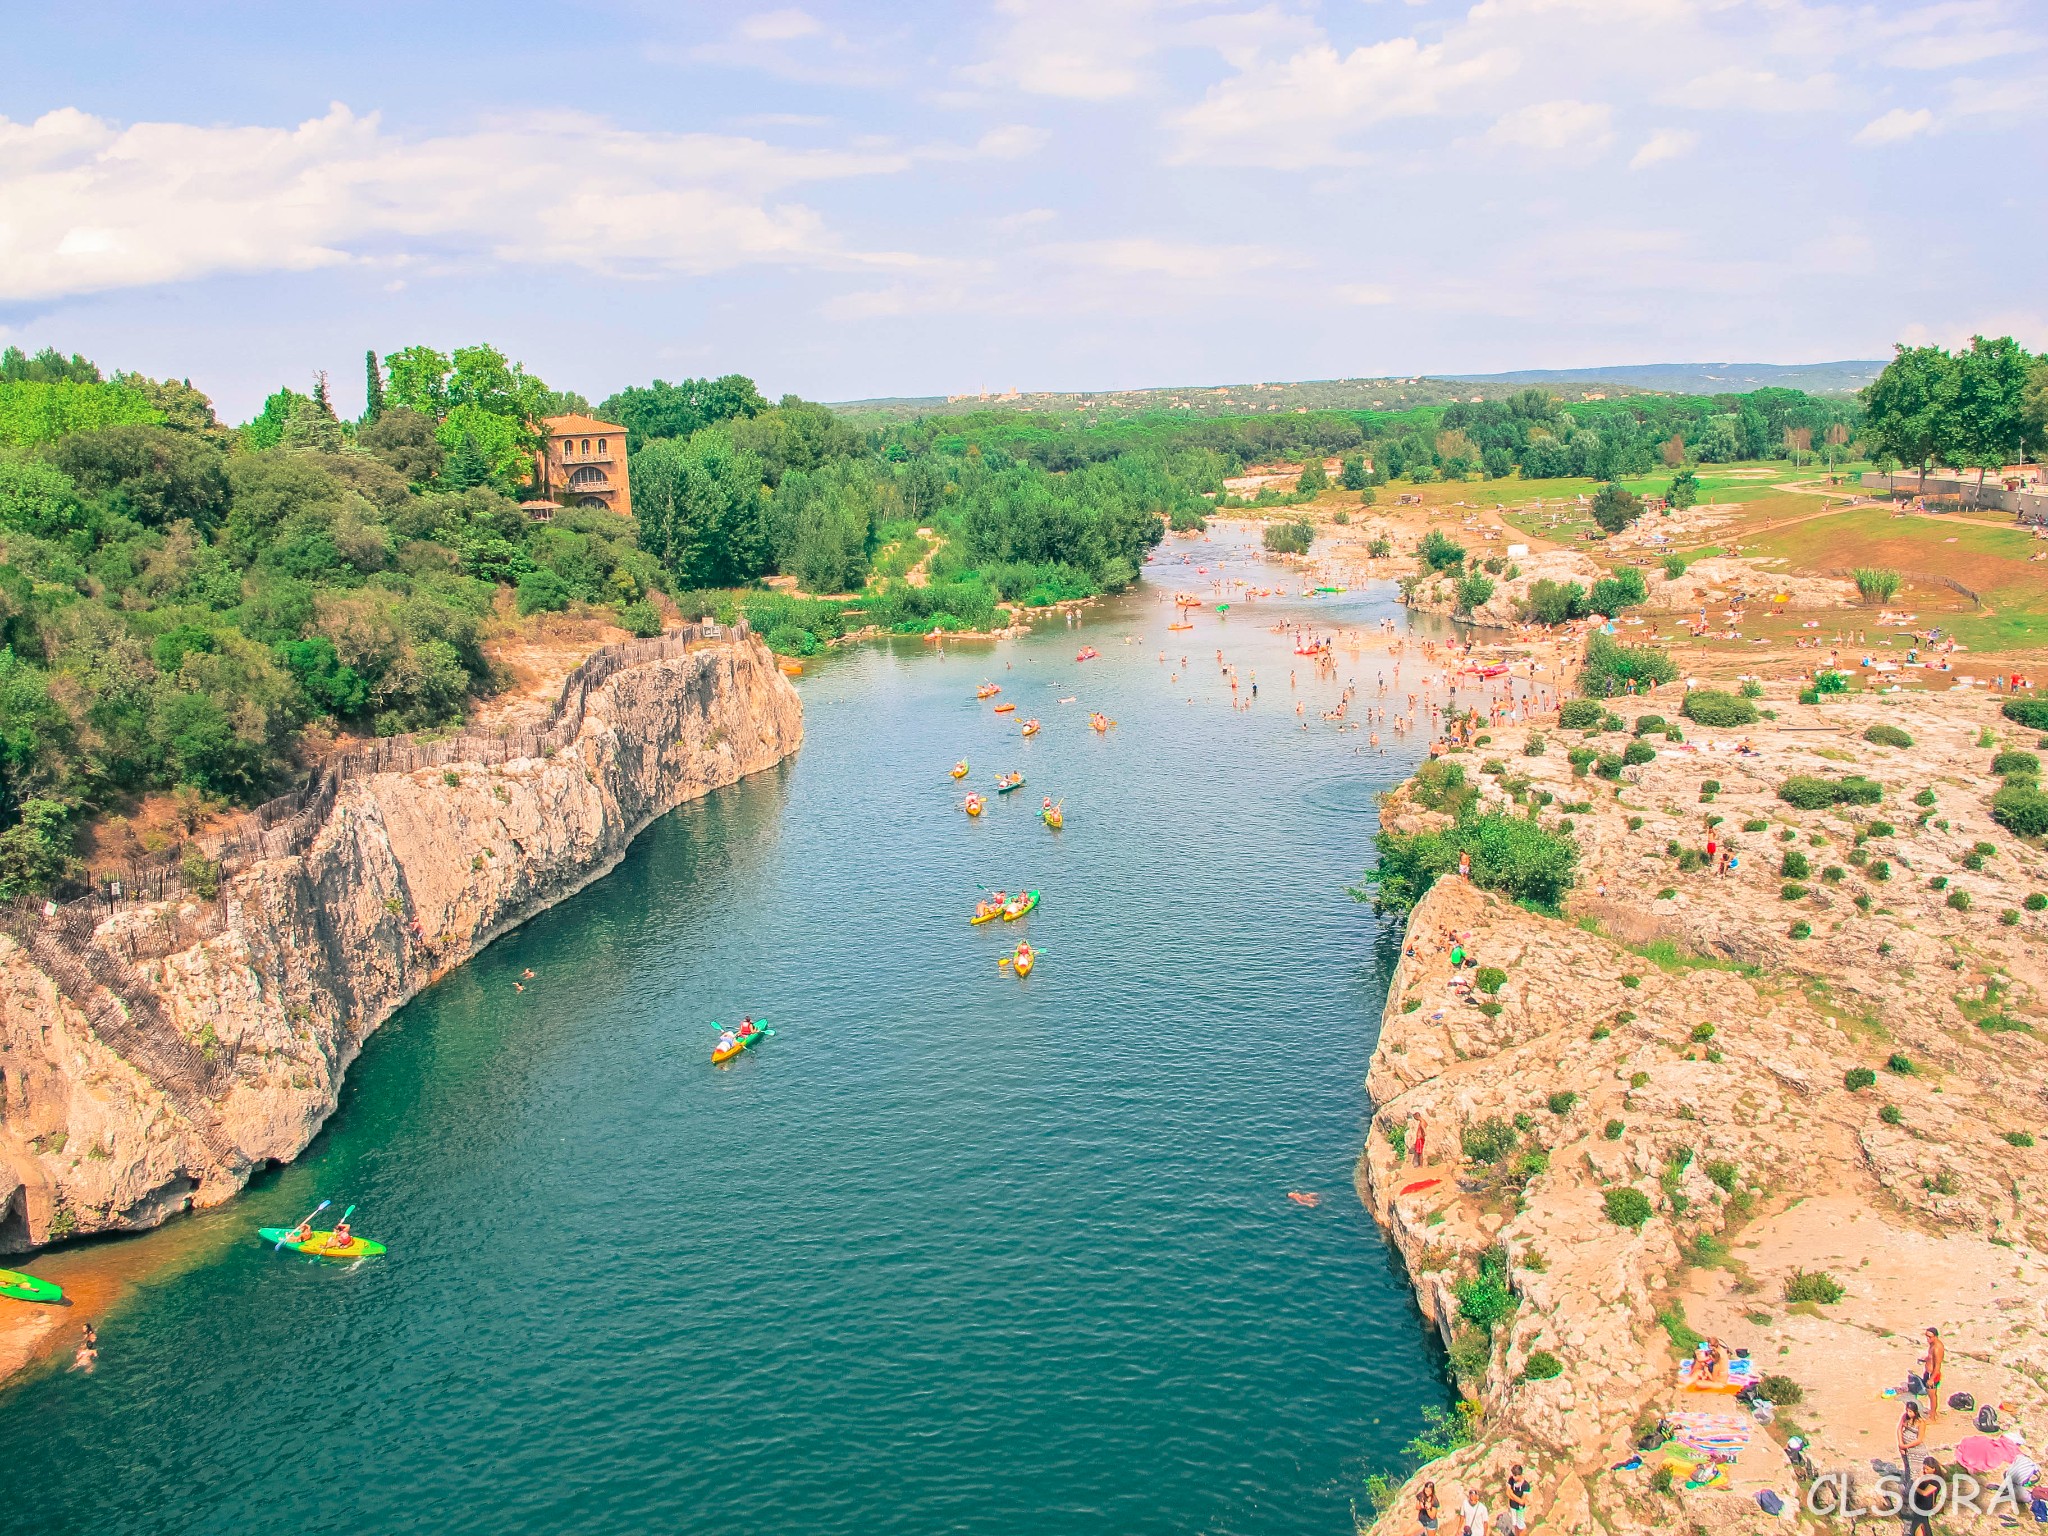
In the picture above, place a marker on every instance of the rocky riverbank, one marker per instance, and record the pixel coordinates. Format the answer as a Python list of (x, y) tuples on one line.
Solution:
[(1827, 1062), (152, 1066)]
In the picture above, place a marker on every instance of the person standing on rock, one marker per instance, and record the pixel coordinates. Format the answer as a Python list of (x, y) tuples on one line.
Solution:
[(1930, 1371), (1517, 1518), (1475, 1513), (1910, 1436), (1426, 1509)]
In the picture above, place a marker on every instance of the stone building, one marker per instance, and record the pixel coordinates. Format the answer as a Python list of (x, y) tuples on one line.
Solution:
[(584, 464)]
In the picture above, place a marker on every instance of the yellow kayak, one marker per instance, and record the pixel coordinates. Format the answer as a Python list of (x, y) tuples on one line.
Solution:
[(1024, 960), (960, 769), (973, 805)]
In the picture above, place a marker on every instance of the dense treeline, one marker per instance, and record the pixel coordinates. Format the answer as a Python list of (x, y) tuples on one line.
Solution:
[(180, 601)]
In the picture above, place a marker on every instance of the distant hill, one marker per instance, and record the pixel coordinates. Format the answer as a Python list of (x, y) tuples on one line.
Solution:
[(1198, 399), (1380, 394), (1699, 378)]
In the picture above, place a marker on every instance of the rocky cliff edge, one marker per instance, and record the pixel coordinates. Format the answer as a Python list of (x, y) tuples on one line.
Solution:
[(149, 1065)]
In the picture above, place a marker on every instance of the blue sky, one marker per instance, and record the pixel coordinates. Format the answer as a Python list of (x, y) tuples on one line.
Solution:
[(853, 199)]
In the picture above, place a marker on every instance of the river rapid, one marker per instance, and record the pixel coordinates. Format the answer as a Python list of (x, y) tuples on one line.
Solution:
[(950, 1253)]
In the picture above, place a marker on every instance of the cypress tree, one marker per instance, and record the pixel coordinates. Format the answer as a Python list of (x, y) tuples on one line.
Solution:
[(373, 378), (320, 394)]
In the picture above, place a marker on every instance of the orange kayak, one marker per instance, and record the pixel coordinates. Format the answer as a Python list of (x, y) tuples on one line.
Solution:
[(1004, 709)]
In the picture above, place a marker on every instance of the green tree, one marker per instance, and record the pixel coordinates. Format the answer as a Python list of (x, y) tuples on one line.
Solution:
[(1313, 478), (469, 465), (404, 439), (1685, 489), (1353, 475), (1615, 507), (1991, 427), (418, 379), (373, 383), (662, 409), (1909, 408), (152, 474), (699, 507)]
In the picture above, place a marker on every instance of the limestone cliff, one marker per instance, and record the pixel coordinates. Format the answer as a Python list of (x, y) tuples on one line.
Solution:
[(149, 1061), (1653, 1115)]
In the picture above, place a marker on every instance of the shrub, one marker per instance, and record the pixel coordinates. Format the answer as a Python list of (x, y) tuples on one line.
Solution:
[(1756, 824), (1887, 736), (1795, 866), (1484, 1299), (1487, 1141), (2031, 713), (1288, 538), (1473, 592), (1960, 900), (1703, 1032), (1877, 584), (1563, 1101), (1880, 829), (1621, 590), (1645, 724), (1627, 1206), (2019, 1138), (1752, 689), (1810, 792), (1801, 929), (1637, 752), (1491, 978), (1782, 1391), (2025, 764), (1791, 891), (2021, 808), (1903, 1065), (1631, 981), (1723, 1173), (1663, 1480), (1925, 797), (1510, 854), (1542, 1365), (2035, 902), (1713, 707), (1581, 714), (1891, 1114), (1612, 1130), (1813, 1285), (1535, 745), (1858, 1078)]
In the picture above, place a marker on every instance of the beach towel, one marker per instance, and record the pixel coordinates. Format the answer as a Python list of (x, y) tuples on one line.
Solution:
[(1742, 1372), (1985, 1453), (1712, 1434)]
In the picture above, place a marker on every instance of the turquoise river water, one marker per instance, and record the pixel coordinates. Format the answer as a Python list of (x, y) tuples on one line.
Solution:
[(951, 1253)]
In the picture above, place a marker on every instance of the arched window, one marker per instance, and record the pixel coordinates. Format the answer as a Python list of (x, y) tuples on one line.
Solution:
[(588, 477), (602, 451), (586, 447)]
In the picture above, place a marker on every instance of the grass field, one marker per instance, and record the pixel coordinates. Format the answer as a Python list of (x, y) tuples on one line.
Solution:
[(1990, 559)]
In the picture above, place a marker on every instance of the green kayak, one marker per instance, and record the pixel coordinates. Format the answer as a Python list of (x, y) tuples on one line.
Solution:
[(27, 1287), (321, 1244)]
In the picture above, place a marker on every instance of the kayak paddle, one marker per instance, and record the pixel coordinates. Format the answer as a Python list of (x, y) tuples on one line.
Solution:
[(288, 1231)]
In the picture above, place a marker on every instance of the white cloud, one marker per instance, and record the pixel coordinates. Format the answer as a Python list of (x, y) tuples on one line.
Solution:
[(91, 205), (1014, 141), (1554, 127), (1299, 111), (1084, 50), (1179, 262), (1011, 223), (1664, 144), (1364, 293), (791, 44), (1895, 126), (1744, 88), (778, 26)]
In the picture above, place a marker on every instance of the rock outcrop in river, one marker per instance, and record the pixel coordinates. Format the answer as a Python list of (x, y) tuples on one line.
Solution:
[(1798, 1106), (149, 1061)]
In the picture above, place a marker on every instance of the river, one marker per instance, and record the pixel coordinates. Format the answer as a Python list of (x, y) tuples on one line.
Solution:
[(950, 1253)]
